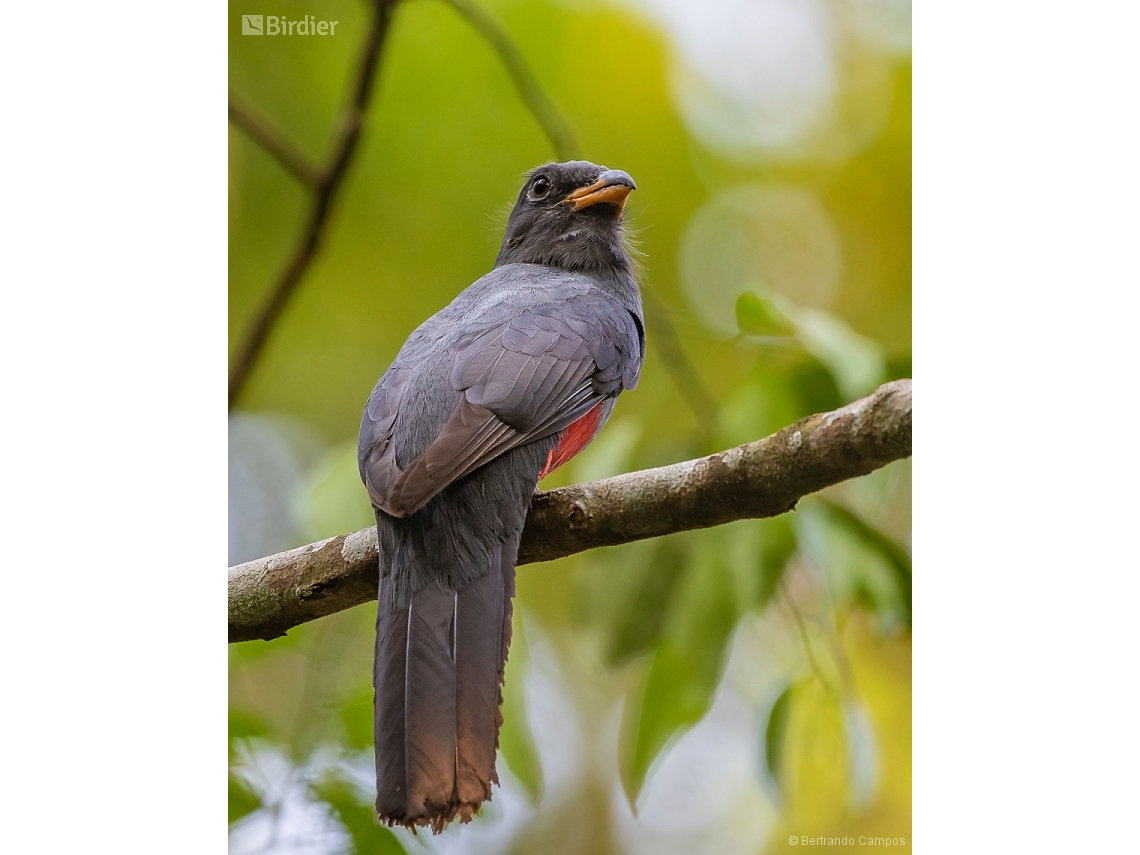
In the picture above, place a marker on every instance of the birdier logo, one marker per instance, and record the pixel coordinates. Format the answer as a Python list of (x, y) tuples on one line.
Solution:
[(272, 25)]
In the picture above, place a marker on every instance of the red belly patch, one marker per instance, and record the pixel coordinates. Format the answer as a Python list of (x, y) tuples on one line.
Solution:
[(574, 439)]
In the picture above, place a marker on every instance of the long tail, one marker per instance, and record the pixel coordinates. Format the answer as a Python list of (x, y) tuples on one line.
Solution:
[(438, 676)]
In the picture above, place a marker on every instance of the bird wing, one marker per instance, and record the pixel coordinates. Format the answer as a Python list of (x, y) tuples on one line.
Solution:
[(376, 452), (521, 379)]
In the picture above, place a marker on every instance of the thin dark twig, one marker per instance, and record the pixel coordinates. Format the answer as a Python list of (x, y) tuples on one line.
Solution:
[(685, 375), (325, 192), (263, 132), (532, 94)]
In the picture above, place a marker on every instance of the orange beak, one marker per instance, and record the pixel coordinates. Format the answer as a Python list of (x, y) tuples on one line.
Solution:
[(611, 188)]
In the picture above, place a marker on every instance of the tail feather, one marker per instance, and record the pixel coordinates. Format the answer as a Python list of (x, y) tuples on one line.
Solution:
[(478, 652), (507, 569), (438, 679), (429, 708), (388, 673)]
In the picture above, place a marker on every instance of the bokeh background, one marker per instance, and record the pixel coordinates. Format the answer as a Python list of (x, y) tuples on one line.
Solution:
[(710, 692)]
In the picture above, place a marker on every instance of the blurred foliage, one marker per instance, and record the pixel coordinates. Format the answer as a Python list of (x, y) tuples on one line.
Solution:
[(712, 691), (356, 815)]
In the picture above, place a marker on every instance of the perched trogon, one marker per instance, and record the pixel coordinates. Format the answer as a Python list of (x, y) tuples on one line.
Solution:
[(501, 387)]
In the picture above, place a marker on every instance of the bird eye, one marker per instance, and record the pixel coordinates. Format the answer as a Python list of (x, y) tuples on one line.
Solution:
[(540, 187)]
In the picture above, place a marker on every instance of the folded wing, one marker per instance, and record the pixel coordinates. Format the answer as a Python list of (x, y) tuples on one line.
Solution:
[(522, 379)]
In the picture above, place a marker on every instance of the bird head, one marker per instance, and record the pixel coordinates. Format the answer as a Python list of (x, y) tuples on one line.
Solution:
[(569, 215)]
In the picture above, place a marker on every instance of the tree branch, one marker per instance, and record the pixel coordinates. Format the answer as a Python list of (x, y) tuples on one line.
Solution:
[(271, 138), (325, 190), (761, 479), (534, 98)]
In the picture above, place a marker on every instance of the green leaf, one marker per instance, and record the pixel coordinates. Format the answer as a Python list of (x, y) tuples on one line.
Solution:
[(855, 568), (677, 694), (813, 766), (896, 555), (644, 604), (857, 362), (661, 708), (810, 382), (757, 316), (243, 800), (775, 733), (357, 817), (516, 743), (687, 663)]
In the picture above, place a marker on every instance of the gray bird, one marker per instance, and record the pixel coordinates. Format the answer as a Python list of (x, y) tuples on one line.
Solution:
[(486, 397)]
